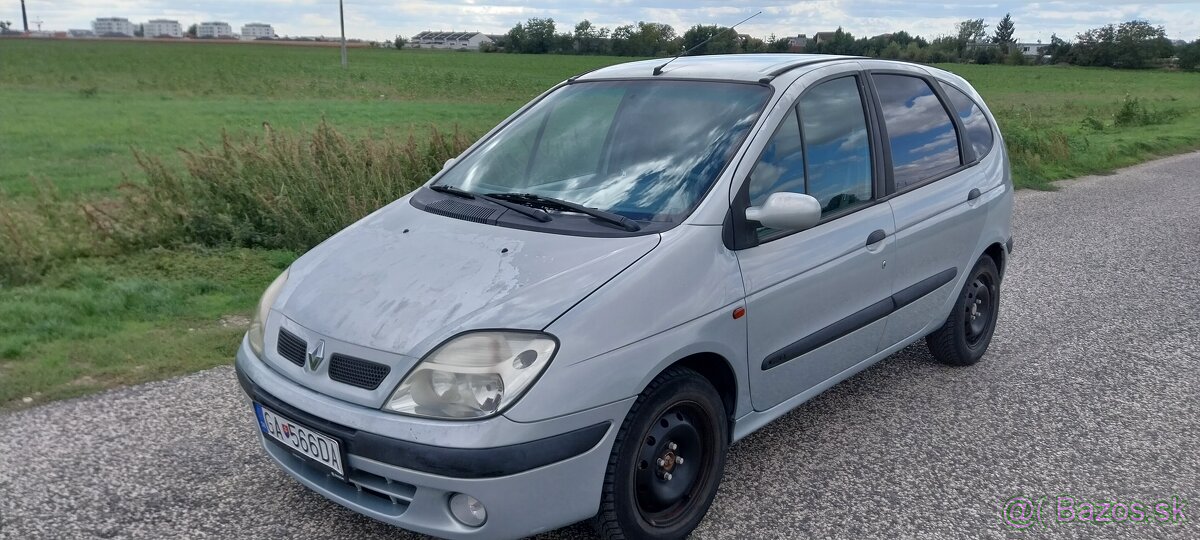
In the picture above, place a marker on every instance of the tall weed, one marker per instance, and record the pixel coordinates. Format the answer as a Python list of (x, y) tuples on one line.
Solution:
[(281, 190)]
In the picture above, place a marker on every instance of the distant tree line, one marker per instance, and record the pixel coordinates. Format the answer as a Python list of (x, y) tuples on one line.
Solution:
[(1133, 44)]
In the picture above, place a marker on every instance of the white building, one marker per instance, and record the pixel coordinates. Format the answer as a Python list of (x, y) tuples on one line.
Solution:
[(214, 30), (162, 28), (257, 31), (450, 40), (112, 26), (1031, 50)]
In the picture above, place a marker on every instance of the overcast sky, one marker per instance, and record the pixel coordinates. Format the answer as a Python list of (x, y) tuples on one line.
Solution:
[(382, 19)]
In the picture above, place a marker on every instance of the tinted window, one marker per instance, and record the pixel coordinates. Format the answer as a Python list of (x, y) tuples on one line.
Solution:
[(978, 130), (648, 150), (836, 145), (781, 167), (922, 137)]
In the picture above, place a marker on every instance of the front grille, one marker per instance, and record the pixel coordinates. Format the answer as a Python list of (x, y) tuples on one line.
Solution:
[(357, 372), (291, 347)]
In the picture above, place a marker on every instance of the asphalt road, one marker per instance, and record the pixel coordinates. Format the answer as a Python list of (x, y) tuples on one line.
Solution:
[(1090, 389)]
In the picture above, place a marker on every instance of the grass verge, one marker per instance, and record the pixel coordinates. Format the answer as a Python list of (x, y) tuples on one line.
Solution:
[(102, 322)]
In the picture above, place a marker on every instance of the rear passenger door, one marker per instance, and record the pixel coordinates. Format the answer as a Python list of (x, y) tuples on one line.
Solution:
[(934, 195)]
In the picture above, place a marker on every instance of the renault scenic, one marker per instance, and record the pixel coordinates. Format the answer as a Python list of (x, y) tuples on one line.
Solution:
[(577, 316)]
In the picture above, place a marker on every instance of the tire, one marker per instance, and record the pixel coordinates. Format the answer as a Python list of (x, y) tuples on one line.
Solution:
[(965, 336), (680, 408)]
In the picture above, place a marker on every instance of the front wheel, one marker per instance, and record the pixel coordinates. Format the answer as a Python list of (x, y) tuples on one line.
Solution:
[(667, 460), (968, 331)]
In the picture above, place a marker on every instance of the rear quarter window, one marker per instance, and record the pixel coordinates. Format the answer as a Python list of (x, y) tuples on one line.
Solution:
[(975, 123), (923, 140)]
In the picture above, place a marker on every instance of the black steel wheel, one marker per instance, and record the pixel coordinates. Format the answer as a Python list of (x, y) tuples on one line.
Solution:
[(965, 336), (667, 460)]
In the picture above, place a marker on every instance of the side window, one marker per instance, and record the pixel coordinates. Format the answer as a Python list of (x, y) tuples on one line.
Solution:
[(975, 123), (781, 167), (836, 145), (923, 140)]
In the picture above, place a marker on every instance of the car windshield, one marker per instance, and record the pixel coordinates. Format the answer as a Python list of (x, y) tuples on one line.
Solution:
[(647, 150)]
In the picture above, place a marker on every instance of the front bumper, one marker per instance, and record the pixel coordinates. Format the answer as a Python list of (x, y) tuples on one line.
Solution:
[(536, 477)]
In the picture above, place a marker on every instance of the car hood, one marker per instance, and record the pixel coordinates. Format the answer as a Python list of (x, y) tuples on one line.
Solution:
[(402, 280)]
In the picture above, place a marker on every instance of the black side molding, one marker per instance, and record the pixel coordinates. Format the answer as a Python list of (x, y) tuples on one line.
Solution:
[(824, 336), (453, 462), (859, 319), (923, 287)]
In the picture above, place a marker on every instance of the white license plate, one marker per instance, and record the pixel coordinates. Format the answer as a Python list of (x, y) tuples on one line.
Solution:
[(315, 445)]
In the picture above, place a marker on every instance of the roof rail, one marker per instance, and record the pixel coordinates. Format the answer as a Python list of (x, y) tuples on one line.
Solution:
[(790, 67)]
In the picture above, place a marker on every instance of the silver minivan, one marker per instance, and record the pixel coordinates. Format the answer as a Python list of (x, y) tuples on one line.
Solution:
[(576, 317)]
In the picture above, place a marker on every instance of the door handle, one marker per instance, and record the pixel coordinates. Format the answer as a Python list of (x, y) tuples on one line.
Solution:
[(974, 194), (876, 237)]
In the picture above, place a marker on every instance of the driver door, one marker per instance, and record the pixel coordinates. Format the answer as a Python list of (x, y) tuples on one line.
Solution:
[(818, 299)]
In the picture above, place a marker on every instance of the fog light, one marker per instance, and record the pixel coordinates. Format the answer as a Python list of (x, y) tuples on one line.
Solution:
[(468, 510)]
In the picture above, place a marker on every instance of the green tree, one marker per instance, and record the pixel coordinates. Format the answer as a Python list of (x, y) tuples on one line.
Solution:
[(5, 25), (969, 32), (539, 36), (1059, 50), (1003, 35), (399, 42), (891, 51), (191, 31), (139, 31), (775, 44), (588, 38), (1133, 44), (1189, 55), (842, 42), (719, 40)]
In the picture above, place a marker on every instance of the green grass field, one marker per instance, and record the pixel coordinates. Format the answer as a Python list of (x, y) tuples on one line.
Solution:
[(71, 112)]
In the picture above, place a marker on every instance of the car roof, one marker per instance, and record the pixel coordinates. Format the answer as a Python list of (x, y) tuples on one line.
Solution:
[(732, 67)]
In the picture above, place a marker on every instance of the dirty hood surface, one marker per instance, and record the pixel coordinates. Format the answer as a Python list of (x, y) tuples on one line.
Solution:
[(402, 280)]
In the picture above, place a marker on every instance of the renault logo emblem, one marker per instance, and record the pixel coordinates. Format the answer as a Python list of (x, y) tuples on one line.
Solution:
[(316, 355)]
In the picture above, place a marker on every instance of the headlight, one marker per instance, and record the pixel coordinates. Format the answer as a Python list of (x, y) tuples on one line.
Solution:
[(258, 325), (474, 375)]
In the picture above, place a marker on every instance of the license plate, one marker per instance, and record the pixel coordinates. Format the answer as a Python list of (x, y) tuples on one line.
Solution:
[(313, 444)]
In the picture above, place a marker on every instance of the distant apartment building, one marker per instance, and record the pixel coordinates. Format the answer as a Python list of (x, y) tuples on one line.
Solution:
[(450, 40), (112, 26), (214, 30), (162, 28), (257, 31)]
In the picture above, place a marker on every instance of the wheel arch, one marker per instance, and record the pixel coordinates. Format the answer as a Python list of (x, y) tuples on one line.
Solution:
[(999, 255), (718, 371)]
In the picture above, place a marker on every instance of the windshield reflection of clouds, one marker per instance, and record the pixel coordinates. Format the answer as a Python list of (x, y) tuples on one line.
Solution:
[(923, 140), (645, 149)]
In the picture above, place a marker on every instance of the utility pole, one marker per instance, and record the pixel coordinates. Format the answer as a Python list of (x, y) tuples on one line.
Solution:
[(24, 18), (342, 16)]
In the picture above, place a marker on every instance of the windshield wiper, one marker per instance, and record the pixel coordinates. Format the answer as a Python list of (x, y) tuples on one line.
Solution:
[(519, 208), (559, 204)]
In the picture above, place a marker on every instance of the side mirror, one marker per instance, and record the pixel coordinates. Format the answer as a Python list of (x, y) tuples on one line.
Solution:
[(787, 212), (448, 163)]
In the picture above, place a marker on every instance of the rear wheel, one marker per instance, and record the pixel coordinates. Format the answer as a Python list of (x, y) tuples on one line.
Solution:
[(667, 460), (968, 331)]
